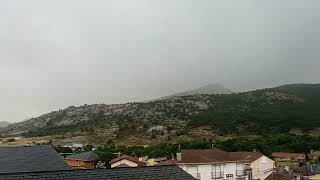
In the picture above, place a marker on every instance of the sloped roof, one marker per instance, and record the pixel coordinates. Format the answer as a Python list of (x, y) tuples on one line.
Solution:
[(246, 156), (86, 156), (167, 162), (287, 155), (278, 176), (203, 156), (217, 156), (130, 158), (30, 159), (139, 173)]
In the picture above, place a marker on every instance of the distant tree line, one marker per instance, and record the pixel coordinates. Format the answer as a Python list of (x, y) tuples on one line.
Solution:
[(266, 145)]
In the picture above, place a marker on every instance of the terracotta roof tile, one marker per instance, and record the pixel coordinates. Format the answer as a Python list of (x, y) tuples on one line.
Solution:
[(217, 155), (287, 155), (86, 156), (130, 158), (167, 162), (247, 156)]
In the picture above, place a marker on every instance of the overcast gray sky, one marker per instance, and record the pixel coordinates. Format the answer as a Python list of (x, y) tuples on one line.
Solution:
[(59, 53)]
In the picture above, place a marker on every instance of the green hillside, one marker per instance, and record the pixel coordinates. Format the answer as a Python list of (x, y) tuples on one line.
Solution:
[(264, 111), (260, 112)]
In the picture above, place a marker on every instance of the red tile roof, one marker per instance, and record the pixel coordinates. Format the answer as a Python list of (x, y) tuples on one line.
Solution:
[(167, 162), (247, 156), (217, 155), (130, 158), (288, 155)]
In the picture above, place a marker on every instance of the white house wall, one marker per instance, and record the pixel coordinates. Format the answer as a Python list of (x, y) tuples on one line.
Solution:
[(261, 168), (205, 170)]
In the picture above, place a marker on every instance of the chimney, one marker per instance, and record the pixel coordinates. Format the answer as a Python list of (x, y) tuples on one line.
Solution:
[(179, 157)]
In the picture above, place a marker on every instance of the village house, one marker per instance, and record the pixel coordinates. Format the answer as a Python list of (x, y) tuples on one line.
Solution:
[(138, 173), (217, 164), (126, 161), (261, 166), (86, 160), (288, 160), (314, 155), (30, 159)]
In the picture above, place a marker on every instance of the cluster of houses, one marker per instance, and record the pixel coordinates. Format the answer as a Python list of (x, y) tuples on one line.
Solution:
[(43, 162)]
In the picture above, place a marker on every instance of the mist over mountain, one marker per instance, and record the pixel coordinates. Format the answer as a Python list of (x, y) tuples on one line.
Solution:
[(271, 110), (117, 52), (208, 89)]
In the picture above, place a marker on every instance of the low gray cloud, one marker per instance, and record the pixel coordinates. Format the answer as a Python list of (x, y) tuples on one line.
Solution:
[(59, 53)]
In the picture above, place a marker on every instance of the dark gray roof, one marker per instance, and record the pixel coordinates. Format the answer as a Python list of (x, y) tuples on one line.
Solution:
[(139, 173), (30, 159), (86, 156)]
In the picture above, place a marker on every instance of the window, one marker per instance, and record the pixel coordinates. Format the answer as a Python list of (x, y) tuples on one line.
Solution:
[(217, 172)]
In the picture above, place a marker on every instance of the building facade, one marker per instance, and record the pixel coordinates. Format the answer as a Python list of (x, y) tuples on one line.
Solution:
[(262, 168), (86, 160), (209, 171), (217, 164)]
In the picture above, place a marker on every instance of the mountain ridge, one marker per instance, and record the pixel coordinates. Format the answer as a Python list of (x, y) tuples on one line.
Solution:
[(271, 110), (215, 88)]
